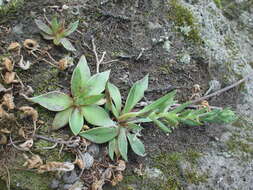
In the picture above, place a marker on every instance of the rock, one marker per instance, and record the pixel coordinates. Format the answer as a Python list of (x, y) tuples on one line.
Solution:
[(153, 173), (54, 184), (88, 160), (94, 150), (167, 46), (18, 29), (70, 177), (185, 59)]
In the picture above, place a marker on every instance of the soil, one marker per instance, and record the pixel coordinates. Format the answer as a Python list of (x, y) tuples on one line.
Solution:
[(120, 29)]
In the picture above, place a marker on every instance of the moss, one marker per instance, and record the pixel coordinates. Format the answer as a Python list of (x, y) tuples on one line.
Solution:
[(241, 146), (193, 177), (192, 156), (183, 17), (52, 154), (12, 7), (218, 3), (30, 180)]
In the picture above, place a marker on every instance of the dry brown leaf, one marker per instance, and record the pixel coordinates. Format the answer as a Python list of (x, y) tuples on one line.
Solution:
[(79, 163), (56, 166), (86, 127), (31, 44), (3, 113), (196, 88), (119, 177), (97, 185), (8, 64), (107, 174), (3, 139), (26, 145), (114, 182), (9, 77), (34, 162), (29, 111), (121, 165), (65, 62), (8, 101), (2, 89), (14, 46), (4, 130), (21, 132)]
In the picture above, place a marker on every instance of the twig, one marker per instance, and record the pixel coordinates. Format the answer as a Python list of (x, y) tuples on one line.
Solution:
[(8, 183), (70, 143), (223, 89), (98, 61), (15, 146), (50, 147), (81, 156)]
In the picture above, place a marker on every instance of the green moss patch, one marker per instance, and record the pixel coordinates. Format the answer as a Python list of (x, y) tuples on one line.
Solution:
[(183, 18)]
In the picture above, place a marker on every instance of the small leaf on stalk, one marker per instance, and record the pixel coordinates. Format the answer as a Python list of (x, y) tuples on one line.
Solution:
[(115, 95), (80, 77), (136, 144), (136, 94), (76, 121), (100, 134), (122, 143), (161, 126), (97, 116), (167, 99), (67, 44), (71, 28), (42, 26), (61, 119), (112, 146), (88, 100), (97, 82)]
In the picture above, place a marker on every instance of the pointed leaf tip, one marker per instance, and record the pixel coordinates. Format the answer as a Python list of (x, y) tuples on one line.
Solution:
[(76, 121), (53, 101), (80, 77), (136, 94), (61, 119)]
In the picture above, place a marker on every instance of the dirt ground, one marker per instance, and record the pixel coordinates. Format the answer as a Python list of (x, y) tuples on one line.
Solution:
[(119, 28)]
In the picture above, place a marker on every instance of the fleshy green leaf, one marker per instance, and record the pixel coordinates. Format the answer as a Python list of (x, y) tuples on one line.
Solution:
[(89, 99), (100, 134), (181, 107), (61, 119), (67, 44), (168, 98), (136, 144), (112, 146), (136, 94), (53, 101), (55, 24), (42, 26), (71, 28), (97, 82), (80, 77), (46, 36), (134, 127), (161, 126), (115, 95), (97, 116), (122, 143), (76, 121)]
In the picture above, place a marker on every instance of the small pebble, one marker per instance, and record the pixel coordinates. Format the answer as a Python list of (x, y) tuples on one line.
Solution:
[(70, 177), (54, 184), (94, 150), (88, 160)]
